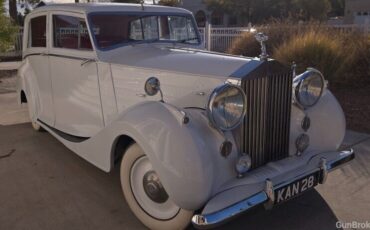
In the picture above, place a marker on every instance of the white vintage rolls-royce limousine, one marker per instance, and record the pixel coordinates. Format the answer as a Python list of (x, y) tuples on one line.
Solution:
[(199, 136)]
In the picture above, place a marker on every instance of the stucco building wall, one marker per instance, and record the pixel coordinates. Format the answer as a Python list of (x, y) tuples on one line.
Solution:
[(357, 12), (216, 17)]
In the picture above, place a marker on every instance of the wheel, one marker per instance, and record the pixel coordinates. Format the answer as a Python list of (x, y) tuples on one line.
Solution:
[(146, 196), (36, 126)]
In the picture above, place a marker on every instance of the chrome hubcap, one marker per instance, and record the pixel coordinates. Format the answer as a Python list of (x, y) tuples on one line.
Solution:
[(153, 188), (149, 191)]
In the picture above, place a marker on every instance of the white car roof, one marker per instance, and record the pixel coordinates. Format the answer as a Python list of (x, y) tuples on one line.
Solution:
[(108, 7)]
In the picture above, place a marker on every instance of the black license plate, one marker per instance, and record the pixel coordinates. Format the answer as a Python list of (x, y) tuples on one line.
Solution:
[(295, 188)]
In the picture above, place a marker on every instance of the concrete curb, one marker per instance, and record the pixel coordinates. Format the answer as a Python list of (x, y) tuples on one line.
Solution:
[(9, 65)]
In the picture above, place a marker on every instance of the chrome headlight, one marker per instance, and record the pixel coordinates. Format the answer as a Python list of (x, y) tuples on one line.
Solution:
[(226, 107), (308, 88)]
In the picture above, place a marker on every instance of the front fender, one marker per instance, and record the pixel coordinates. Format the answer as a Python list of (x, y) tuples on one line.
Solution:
[(186, 156)]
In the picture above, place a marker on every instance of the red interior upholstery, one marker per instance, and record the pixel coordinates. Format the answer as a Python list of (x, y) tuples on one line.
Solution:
[(66, 33), (38, 31), (70, 41)]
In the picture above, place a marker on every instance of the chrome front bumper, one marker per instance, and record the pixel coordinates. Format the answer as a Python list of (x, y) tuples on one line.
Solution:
[(266, 196)]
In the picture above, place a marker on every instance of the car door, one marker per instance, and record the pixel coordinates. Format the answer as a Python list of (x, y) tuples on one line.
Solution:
[(75, 82), (36, 56)]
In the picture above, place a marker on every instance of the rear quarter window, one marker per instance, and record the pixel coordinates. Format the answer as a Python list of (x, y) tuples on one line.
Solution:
[(37, 32)]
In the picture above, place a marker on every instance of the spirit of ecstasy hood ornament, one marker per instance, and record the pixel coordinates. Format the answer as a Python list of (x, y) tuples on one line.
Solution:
[(262, 38)]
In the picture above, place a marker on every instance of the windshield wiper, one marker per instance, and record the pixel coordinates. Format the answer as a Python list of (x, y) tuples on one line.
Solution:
[(136, 42), (187, 40), (152, 40)]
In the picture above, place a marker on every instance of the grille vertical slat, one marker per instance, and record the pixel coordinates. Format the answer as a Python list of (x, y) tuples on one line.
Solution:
[(266, 126), (279, 117)]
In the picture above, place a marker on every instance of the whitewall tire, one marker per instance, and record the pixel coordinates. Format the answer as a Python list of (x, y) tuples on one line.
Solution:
[(146, 196), (36, 126)]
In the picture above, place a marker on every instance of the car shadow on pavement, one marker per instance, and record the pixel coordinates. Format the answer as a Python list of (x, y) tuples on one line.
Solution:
[(72, 194), (309, 211)]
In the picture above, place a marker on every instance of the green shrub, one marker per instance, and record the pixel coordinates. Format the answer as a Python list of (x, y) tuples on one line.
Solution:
[(7, 33)]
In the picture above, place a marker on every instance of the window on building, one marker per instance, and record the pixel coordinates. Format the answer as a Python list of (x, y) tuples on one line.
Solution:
[(201, 18), (233, 20), (37, 32), (70, 33), (217, 18)]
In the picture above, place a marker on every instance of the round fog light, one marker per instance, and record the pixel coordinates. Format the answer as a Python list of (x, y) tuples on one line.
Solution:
[(302, 143), (243, 164)]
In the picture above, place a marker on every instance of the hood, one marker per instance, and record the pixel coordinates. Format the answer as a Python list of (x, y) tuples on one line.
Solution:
[(181, 60)]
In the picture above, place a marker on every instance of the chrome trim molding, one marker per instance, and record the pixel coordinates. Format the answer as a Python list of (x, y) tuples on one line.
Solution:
[(60, 56), (265, 132), (269, 190), (297, 81), (345, 157), (214, 219), (266, 196), (324, 171), (210, 108)]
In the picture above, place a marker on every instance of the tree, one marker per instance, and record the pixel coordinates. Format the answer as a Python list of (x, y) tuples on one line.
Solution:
[(314, 9), (16, 16), (337, 7), (239, 8), (169, 2), (7, 30), (257, 11), (13, 12)]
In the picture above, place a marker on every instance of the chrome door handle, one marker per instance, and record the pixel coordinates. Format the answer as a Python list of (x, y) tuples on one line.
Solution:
[(85, 61), (43, 54)]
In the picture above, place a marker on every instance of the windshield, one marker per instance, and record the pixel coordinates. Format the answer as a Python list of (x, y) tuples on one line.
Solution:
[(112, 30)]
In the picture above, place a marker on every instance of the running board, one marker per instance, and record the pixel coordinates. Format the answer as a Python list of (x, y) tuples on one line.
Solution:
[(66, 136)]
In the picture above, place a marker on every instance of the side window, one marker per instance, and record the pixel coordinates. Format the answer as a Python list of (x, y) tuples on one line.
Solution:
[(37, 32), (70, 33)]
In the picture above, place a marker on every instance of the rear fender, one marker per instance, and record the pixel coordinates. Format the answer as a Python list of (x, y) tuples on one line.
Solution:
[(27, 82)]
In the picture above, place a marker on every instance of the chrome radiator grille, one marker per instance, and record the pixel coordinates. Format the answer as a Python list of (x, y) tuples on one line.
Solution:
[(265, 132)]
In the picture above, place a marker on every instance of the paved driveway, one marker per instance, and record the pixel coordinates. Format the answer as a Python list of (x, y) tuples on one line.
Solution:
[(43, 185)]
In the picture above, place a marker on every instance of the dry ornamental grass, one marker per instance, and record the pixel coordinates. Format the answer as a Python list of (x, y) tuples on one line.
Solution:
[(343, 57)]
